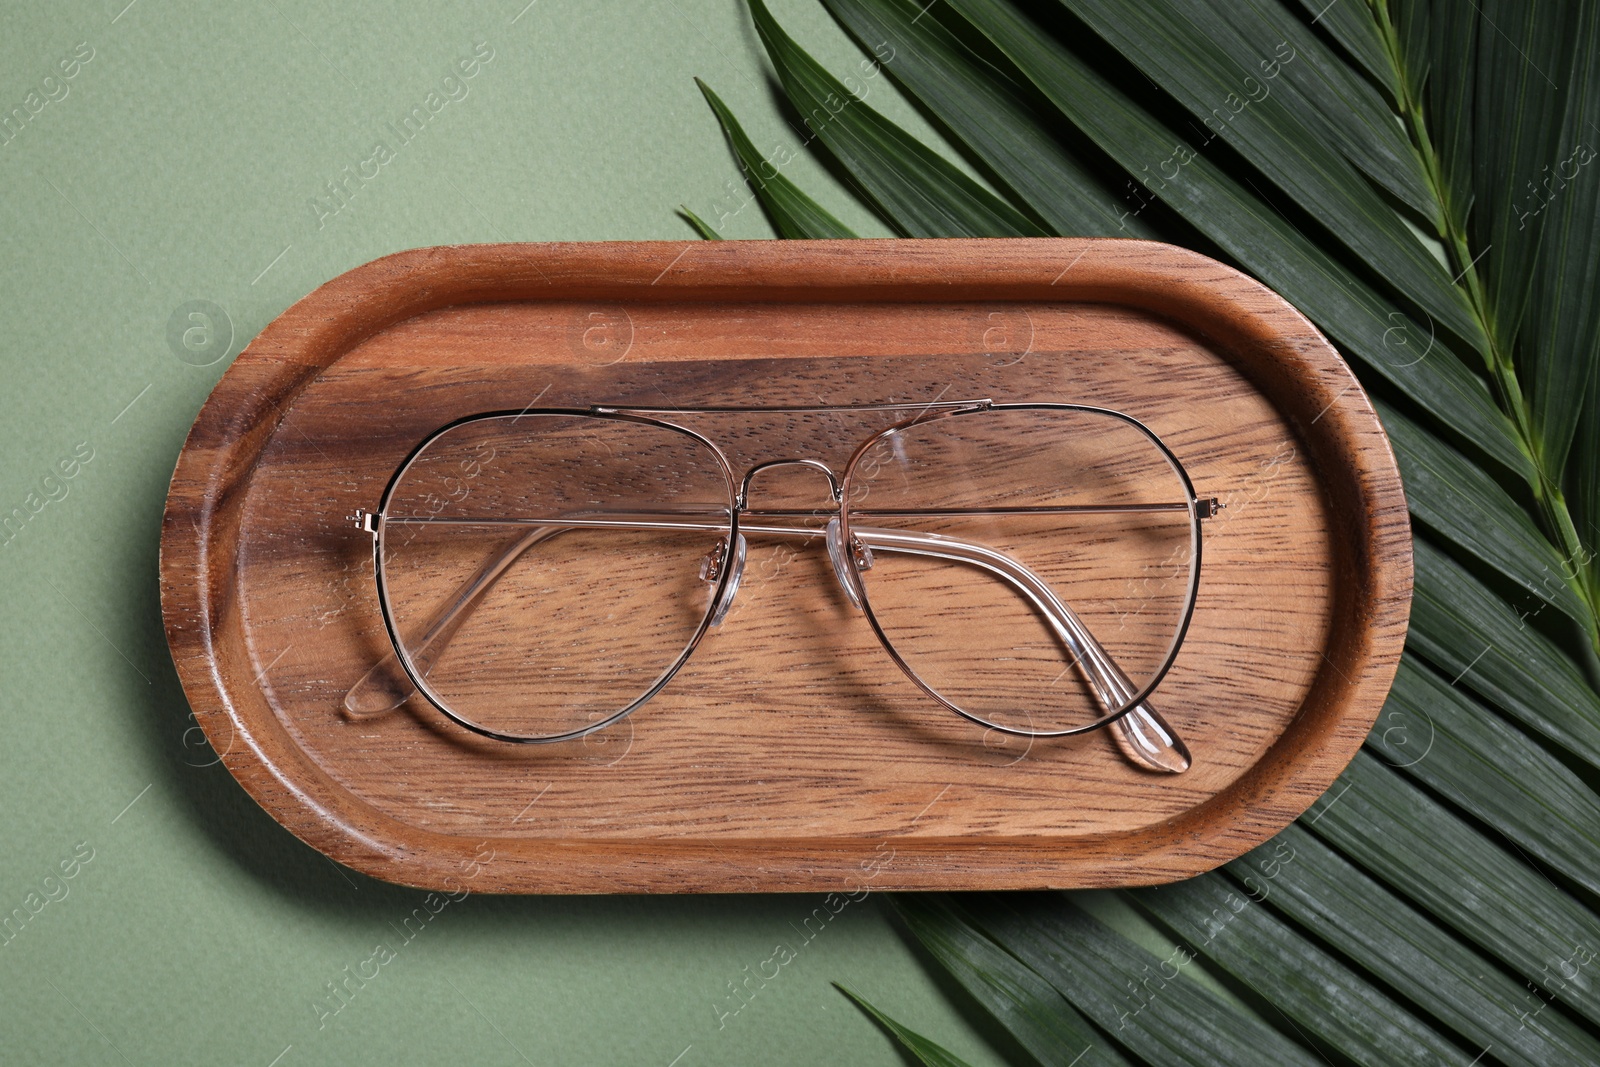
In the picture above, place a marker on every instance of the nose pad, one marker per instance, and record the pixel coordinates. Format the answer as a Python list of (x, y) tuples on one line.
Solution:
[(841, 569), (712, 566)]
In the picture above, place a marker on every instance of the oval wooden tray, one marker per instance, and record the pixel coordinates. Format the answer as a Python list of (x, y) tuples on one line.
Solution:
[(780, 758)]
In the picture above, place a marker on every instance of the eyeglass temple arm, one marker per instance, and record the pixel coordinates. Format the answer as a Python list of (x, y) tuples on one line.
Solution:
[(1142, 735), (385, 687)]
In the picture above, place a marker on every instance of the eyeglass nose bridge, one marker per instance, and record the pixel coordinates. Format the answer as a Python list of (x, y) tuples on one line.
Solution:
[(838, 553), (742, 501)]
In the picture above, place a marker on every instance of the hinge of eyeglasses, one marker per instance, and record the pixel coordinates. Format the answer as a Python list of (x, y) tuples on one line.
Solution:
[(1208, 506), (363, 520)]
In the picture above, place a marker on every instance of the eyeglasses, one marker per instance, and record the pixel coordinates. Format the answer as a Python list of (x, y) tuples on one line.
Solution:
[(1031, 567)]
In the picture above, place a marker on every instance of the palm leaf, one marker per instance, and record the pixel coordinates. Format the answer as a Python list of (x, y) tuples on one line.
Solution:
[(1014, 994), (1126, 990), (922, 193), (1439, 735), (1457, 500), (1470, 883), (1216, 918), (1562, 340), (1374, 328), (1585, 478), (1404, 42), (1350, 26), (698, 224), (1360, 319), (1440, 45), (925, 1051), (1460, 626), (1321, 93), (985, 110), (1399, 945), (793, 213), (1177, 54), (1521, 51)]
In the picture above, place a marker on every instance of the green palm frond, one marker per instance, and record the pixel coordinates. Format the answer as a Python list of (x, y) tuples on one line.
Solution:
[(1420, 178), (793, 213), (915, 189), (926, 1052)]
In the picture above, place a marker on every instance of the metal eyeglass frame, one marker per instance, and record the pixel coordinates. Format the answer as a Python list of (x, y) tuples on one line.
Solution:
[(1143, 736)]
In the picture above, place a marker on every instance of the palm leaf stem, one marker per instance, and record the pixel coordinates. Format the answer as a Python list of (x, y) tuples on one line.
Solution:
[(1546, 489)]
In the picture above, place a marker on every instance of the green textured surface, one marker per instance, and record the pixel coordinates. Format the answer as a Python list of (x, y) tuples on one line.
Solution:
[(179, 164)]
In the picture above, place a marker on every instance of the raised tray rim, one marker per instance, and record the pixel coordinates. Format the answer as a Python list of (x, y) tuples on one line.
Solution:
[(1268, 339)]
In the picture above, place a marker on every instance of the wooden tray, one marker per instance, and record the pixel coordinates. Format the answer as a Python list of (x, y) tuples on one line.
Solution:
[(780, 758)]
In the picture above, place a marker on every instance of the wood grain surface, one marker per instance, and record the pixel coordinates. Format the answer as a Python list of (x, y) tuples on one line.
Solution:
[(790, 753)]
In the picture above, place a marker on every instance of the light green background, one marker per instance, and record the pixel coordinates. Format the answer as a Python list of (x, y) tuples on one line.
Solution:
[(180, 166)]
